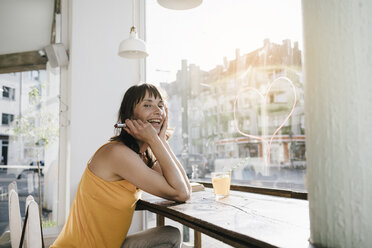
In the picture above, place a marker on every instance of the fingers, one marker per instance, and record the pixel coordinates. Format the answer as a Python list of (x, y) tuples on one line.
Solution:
[(134, 123), (166, 110), (137, 123), (166, 115), (129, 126), (164, 127), (139, 129)]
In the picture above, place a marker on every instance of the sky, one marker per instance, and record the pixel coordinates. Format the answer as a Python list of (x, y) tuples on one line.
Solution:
[(204, 35)]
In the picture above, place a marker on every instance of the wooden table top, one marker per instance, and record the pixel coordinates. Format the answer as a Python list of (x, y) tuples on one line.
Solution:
[(241, 219)]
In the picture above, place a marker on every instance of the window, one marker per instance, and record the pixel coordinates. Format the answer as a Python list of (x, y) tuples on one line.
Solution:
[(28, 137), (6, 119), (8, 93), (35, 75), (4, 148), (222, 57)]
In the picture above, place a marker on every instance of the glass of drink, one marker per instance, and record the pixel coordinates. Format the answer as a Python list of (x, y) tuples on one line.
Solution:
[(221, 183)]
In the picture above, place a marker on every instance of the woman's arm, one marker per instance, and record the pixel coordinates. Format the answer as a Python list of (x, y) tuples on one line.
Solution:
[(178, 164), (162, 135), (128, 165), (168, 162)]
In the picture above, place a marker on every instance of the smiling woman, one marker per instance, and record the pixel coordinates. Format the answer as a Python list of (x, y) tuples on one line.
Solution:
[(137, 158)]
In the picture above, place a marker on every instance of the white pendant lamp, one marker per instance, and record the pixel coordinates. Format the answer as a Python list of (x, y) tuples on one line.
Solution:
[(133, 47), (180, 4)]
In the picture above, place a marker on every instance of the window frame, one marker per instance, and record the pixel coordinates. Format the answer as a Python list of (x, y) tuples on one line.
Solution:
[(10, 93), (9, 117)]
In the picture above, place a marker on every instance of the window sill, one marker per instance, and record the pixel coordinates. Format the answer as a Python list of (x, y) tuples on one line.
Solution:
[(263, 191)]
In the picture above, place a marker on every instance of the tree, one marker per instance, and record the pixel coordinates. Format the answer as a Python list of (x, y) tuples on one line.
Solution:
[(37, 127)]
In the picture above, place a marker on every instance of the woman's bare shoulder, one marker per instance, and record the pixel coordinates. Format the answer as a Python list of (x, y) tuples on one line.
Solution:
[(118, 156), (105, 160), (116, 150)]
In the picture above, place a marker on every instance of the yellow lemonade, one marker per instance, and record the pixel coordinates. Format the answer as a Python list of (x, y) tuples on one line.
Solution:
[(221, 183)]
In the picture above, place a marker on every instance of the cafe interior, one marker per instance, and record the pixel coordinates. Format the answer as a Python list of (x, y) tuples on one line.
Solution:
[(95, 50)]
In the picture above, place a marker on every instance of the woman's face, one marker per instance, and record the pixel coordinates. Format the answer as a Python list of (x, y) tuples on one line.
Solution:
[(151, 110)]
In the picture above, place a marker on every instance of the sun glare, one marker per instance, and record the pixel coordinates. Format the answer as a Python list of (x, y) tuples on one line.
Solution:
[(205, 35)]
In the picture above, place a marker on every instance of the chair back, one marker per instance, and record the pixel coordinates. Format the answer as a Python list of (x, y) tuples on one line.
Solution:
[(33, 238), (15, 221), (29, 199), (12, 185)]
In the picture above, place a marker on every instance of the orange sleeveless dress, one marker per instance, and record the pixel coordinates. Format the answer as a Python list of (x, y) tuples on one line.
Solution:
[(101, 213)]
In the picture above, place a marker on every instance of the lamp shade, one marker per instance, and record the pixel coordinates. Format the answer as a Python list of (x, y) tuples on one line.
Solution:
[(133, 47), (180, 4)]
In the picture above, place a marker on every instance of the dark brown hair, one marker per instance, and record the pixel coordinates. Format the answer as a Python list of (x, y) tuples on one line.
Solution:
[(132, 97)]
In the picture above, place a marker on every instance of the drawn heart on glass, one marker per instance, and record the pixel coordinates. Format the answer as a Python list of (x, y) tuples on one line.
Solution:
[(263, 98)]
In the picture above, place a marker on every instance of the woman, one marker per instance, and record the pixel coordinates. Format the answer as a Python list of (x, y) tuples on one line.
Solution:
[(138, 158)]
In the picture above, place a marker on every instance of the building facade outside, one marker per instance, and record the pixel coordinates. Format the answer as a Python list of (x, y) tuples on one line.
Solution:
[(29, 107), (202, 107)]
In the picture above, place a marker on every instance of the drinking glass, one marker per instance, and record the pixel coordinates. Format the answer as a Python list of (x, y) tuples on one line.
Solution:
[(221, 184)]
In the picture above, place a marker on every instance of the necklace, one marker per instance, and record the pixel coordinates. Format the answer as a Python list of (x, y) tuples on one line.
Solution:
[(142, 154)]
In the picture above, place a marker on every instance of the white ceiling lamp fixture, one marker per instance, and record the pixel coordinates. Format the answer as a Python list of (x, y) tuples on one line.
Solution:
[(133, 47), (180, 4)]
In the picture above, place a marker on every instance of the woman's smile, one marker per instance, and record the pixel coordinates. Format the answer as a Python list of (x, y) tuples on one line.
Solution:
[(156, 122)]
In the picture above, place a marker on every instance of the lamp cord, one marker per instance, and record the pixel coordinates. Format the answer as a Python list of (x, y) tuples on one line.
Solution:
[(133, 9)]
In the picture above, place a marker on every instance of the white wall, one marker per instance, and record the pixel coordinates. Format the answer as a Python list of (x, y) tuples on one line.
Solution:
[(95, 81), (98, 76), (338, 100)]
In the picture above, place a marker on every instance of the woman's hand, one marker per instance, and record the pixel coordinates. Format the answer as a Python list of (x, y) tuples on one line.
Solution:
[(140, 131), (164, 127)]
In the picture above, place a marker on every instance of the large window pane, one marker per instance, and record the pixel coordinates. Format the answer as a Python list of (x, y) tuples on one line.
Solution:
[(233, 75), (29, 139)]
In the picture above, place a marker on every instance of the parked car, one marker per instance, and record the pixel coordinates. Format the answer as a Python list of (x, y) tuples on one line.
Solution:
[(24, 173)]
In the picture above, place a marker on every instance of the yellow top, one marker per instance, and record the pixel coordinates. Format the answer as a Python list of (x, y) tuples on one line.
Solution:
[(101, 213)]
